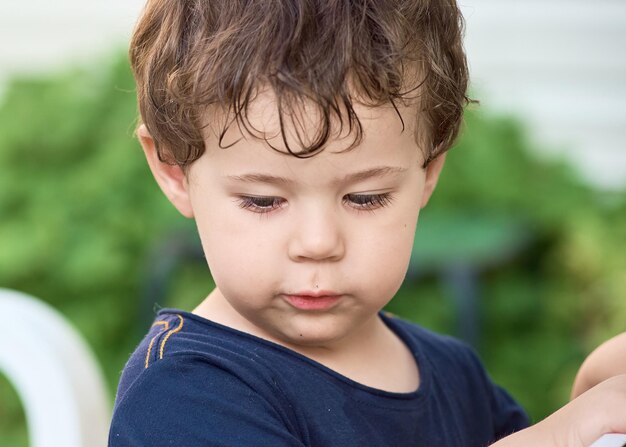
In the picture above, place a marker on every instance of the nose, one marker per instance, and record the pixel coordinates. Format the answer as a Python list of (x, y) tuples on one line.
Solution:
[(317, 236)]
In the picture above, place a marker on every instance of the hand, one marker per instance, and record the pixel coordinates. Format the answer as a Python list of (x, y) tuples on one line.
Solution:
[(581, 422), (608, 360)]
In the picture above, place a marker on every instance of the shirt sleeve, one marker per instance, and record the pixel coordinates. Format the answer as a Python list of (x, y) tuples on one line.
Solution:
[(498, 409), (178, 402), (508, 416)]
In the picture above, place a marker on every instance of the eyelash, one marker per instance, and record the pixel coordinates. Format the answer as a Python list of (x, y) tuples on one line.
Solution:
[(368, 202), (260, 204), (360, 202)]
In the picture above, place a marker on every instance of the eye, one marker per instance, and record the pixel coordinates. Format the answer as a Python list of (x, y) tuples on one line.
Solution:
[(260, 204), (368, 202)]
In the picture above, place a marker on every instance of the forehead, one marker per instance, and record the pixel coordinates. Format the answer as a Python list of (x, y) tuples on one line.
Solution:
[(301, 120), (261, 143)]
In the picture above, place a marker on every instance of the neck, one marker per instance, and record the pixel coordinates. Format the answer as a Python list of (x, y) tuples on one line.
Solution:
[(364, 355)]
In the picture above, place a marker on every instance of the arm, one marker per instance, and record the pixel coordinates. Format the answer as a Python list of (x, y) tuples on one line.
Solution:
[(579, 423), (606, 361)]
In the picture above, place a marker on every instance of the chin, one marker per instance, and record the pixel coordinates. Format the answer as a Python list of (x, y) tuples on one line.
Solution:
[(315, 333), (315, 339)]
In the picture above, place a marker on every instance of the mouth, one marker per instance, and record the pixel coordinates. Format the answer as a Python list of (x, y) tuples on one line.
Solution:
[(318, 300)]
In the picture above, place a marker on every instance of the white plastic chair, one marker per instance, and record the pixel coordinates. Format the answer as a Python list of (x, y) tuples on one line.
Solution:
[(55, 374)]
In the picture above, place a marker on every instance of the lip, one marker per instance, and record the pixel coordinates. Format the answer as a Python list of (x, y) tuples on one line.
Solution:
[(318, 300)]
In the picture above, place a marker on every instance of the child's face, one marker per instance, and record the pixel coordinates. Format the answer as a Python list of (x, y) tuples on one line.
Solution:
[(275, 227)]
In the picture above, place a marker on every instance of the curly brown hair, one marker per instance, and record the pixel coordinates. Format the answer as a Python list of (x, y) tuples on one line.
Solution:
[(190, 55)]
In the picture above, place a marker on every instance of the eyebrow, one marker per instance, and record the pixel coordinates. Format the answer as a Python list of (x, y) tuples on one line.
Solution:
[(379, 171)]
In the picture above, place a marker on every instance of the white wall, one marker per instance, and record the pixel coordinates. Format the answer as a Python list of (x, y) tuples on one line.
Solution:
[(560, 64), (36, 35)]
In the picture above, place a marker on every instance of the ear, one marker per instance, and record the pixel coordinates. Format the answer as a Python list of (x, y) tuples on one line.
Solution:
[(170, 178), (432, 176)]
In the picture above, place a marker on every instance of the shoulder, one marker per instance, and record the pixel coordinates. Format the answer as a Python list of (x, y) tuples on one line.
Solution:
[(439, 349), (187, 384), (461, 377), (180, 401), (182, 349), (445, 360)]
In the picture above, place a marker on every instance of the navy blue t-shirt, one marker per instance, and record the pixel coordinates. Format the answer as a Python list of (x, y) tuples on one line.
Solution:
[(192, 382)]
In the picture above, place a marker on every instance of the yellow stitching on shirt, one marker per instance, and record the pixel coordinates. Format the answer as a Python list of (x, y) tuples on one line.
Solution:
[(156, 323), (180, 326)]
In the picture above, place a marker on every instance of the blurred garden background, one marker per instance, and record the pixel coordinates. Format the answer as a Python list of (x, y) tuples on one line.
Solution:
[(542, 242)]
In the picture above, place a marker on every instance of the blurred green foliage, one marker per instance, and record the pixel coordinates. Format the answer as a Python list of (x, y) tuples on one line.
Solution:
[(80, 215), (12, 418)]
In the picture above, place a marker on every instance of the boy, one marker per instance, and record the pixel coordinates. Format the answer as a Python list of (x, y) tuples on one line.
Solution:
[(303, 137)]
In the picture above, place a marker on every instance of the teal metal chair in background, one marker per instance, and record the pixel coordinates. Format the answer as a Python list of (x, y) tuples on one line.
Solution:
[(457, 247)]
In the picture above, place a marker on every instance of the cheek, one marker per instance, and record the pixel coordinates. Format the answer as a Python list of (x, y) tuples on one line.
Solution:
[(237, 252), (394, 255), (385, 253)]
